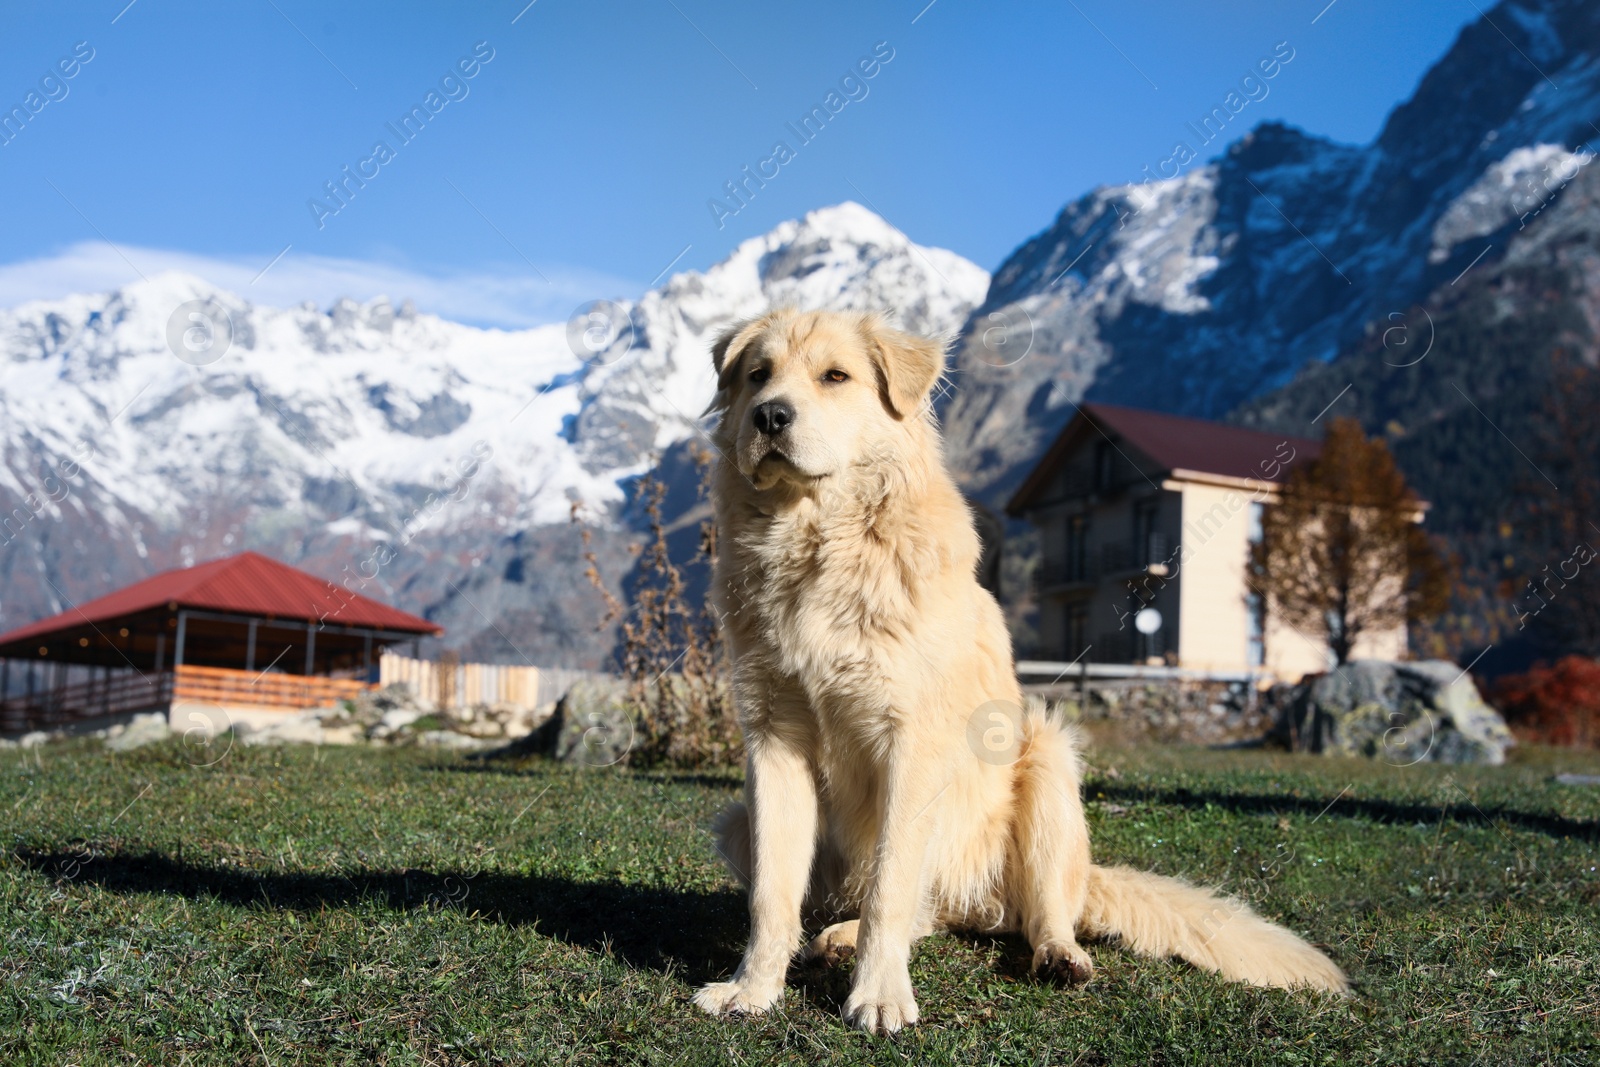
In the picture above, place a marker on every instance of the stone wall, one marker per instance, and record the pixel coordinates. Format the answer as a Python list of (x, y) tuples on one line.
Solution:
[(1165, 712)]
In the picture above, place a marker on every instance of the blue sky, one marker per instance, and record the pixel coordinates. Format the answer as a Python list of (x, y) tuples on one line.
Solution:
[(579, 161)]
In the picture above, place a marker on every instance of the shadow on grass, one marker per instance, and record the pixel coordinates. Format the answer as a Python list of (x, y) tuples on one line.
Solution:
[(1013, 954), (1386, 811), (696, 935), (542, 768)]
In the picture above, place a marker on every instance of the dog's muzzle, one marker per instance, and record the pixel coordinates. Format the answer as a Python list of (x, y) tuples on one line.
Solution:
[(773, 417)]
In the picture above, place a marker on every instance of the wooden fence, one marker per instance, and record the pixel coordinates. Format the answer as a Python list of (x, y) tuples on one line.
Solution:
[(220, 685), (447, 684), (71, 694)]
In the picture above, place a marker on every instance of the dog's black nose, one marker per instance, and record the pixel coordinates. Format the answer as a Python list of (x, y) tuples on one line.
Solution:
[(773, 416)]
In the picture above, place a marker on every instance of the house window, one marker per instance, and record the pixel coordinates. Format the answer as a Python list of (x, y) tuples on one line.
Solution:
[(1149, 646), (1148, 544), (1255, 652), (1050, 545), (1077, 630), (1077, 548), (1104, 465)]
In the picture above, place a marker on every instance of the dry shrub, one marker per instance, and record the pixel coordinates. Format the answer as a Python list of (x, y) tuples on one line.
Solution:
[(1554, 705), (672, 652)]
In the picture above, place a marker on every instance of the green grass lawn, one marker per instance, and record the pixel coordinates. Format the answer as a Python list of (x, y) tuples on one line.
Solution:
[(303, 905)]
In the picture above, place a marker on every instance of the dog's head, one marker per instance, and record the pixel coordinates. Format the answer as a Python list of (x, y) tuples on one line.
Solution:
[(806, 396)]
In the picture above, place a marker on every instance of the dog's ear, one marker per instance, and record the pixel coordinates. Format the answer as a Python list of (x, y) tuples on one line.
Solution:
[(719, 350), (908, 366), (727, 350)]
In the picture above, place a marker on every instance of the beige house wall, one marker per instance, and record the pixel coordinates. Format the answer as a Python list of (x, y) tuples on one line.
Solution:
[(1389, 645), (1214, 617), (1291, 653)]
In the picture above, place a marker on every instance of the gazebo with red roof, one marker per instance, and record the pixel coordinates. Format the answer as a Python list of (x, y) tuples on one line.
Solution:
[(245, 632)]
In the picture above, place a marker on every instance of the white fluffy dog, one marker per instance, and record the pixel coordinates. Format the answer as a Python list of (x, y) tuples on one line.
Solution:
[(898, 782)]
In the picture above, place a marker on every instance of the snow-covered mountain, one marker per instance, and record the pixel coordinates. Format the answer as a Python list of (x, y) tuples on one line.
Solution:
[(1484, 394), (171, 421), (1243, 287), (1198, 293)]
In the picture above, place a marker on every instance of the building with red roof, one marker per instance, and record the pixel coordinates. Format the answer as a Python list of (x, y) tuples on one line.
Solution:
[(1145, 525), (244, 631)]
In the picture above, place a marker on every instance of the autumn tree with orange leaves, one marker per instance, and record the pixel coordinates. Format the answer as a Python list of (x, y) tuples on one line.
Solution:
[(1342, 553)]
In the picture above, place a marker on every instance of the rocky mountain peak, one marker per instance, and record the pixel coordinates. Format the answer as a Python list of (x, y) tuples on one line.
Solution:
[(196, 422), (1198, 293)]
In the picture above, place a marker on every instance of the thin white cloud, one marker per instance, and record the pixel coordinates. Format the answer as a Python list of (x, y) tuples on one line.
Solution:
[(508, 298)]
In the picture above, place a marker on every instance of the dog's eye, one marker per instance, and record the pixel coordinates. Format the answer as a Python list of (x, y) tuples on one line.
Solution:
[(759, 376), (836, 376)]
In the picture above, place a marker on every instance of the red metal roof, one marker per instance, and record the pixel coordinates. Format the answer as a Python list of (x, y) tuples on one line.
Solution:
[(1172, 442), (246, 584)]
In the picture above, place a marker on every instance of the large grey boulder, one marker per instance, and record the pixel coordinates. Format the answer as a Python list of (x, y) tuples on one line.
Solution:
[(1401, 713), (591, 726)]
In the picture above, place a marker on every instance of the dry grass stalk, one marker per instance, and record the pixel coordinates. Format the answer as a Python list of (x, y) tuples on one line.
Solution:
[(671, 649)]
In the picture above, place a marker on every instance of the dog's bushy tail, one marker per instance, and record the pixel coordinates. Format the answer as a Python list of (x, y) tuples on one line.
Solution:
[(1161, 917)]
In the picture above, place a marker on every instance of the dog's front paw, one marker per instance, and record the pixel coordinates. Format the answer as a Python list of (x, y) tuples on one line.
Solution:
[(736, 998), (881, 1007), (1062, 961)]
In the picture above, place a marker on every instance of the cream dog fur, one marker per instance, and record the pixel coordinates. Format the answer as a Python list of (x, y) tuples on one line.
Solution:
[(898, 782)]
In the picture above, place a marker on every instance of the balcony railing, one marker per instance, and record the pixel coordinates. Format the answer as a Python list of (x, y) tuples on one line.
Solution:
[(1053, 573), (1114, 559), (114, 693)]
